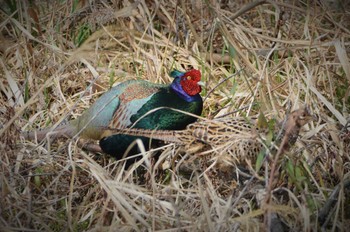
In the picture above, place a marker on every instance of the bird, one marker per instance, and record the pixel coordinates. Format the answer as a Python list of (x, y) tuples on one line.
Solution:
[(137, 104)]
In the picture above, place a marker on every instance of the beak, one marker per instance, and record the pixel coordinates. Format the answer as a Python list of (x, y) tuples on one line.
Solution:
[(201, 83)]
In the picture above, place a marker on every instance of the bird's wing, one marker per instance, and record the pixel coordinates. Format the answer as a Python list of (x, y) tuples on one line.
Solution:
[(114, 107), (131, 101)]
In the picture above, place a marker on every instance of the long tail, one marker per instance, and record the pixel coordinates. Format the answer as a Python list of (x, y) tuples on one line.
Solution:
[(164, 135), (66, 130)]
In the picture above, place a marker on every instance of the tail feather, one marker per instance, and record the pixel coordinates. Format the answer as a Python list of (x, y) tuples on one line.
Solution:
[(61, 131), (164, 135)]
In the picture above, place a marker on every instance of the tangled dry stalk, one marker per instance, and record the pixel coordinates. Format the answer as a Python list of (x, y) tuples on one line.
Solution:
[(57, 58)]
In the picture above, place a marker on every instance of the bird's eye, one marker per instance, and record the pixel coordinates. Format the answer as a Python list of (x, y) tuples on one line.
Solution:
[(189, 77)]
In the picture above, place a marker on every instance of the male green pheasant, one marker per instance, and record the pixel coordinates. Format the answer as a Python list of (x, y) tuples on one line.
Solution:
[(136, 104)]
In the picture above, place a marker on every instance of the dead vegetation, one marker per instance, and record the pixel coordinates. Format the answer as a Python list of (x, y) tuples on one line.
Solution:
[(57, 58)]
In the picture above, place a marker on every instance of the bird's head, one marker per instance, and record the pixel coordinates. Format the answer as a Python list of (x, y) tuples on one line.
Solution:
[(187, 85), (191, 81)]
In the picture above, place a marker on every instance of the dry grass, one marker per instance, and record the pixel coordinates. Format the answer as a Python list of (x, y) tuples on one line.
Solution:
[(57, 58)]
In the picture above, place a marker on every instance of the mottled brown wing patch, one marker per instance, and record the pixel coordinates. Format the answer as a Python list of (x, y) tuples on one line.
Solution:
[(136, 91), (119, 116)]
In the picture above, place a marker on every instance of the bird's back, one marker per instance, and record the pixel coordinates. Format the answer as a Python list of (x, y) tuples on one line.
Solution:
[(114, 108)]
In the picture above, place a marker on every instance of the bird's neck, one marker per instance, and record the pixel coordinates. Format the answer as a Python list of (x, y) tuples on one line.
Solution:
[(177, 88)]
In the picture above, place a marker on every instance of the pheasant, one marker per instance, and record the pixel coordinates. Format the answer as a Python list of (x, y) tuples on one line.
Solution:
[(138, 104)]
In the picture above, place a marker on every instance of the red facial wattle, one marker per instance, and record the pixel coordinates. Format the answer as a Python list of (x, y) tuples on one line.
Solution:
[(189, 82)]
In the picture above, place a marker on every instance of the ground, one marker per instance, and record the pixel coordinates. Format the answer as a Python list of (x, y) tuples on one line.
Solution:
[(256, 58)]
